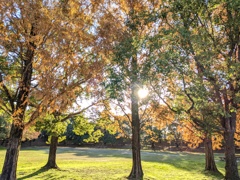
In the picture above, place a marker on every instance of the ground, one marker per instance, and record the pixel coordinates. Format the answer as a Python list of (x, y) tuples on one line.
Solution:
[(100, 164)]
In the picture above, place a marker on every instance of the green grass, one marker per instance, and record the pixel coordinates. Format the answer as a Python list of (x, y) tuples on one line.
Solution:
[(105, 164)]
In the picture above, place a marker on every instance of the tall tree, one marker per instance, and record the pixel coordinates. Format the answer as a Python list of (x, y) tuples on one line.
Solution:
[(207, 34), (42, 44), (182, 91), (126, 25)]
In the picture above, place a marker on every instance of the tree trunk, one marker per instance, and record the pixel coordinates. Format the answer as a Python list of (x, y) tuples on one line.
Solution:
[(51, 164), (153, 145), (209, 156), (13, 148), (137, 172), (231, 163)]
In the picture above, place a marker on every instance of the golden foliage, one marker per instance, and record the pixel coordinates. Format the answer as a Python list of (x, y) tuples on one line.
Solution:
[(194, 137), (56, 37), (160, 115), (156, 117), (190, 135)]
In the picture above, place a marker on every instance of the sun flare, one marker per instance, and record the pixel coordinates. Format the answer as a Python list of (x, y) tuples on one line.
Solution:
[(142, 93)]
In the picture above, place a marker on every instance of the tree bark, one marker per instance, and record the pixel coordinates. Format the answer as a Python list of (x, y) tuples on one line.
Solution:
[(231, 166), (11, 157), (137, 172), (51, 164), (209, 156)]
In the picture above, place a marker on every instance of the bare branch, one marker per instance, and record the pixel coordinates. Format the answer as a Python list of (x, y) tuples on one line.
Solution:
[(189, 97), (123, 110), (78, 112)]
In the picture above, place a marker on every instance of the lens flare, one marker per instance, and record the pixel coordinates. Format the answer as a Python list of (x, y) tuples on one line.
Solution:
[(142, 93)]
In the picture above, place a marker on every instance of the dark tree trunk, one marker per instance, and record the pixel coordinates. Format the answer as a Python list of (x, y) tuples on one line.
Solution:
[(137, 172), (51, 164), (11, 158), (18, 112), (231, 166), (153, 145), (209, 156), (231, 163)]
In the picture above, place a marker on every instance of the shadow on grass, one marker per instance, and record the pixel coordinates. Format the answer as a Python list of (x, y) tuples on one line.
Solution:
[(192, 162), (41, 170), (218, 175)]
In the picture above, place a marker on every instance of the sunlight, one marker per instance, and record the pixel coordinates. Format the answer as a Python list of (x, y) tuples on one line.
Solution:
[(142, 93)]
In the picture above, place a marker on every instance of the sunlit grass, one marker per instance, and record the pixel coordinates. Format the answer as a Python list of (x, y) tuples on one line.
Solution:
[(100, 164)]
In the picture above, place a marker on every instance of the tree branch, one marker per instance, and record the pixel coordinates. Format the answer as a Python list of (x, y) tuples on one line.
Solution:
[(119, 105), (168, 105), (7, 92), (6, 109), (189, 97), (78, 112)]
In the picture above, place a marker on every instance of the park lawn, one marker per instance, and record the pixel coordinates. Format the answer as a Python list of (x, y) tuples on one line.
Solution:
[(105, 164)]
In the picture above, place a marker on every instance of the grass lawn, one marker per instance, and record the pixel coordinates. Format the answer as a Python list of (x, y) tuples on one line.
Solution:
[(105, 164)]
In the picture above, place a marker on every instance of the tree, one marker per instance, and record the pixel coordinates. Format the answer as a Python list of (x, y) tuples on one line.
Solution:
[(208, 125), (191, 103), (82, 126), (194, 136), (190, 98), (55, 130), (56, 123), (181, 87), (129, 58), (56, 126), (131, 66), (207, 34), (42, 44)]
